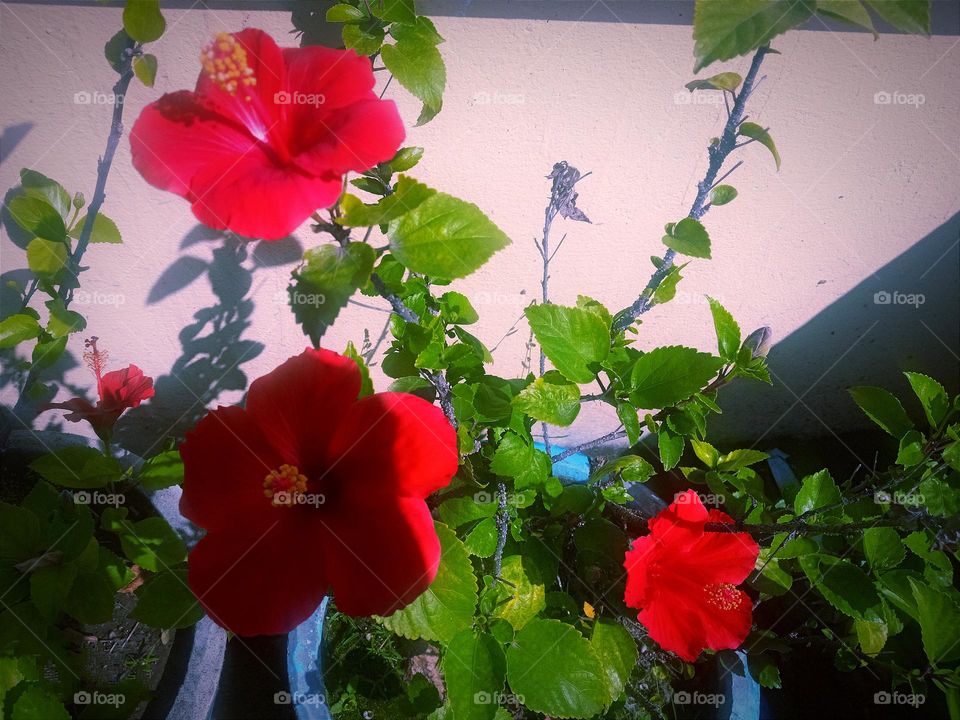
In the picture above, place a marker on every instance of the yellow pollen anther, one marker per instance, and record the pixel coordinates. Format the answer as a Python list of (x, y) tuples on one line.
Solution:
[(283, 486), (723, 595), (225, 62)]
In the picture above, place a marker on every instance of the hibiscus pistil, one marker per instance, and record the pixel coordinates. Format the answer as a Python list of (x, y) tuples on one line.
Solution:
[(225, 63), (285, 485), (722, 595)]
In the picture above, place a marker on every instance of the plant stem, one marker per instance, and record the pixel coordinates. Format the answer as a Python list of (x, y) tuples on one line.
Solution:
[(503, 524), (718, 154)]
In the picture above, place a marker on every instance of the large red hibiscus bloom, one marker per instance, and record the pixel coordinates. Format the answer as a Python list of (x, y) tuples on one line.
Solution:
[(265, 138), (683, 579), (118, 391), (308, 488)]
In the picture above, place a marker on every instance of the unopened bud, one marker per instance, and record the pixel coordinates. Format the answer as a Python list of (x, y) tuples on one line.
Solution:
[(79, 201), (759, 342)]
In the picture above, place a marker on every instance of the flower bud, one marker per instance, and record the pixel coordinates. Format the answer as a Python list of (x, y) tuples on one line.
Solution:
[(759, 342)]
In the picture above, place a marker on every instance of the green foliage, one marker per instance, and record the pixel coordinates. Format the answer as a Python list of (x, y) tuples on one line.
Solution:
[(688, 237), (574, 339), (143, 21), (416, 63), (762, 136)]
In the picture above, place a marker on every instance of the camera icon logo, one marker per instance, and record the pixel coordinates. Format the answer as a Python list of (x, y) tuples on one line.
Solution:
[(882, 98), (282, 97), (882, 298), (282, 697), (882, 698), (482, 698), (82, 498), (682, 698), (82, 697)]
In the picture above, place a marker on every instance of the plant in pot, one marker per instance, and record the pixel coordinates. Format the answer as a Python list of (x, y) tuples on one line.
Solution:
[(470, 579)]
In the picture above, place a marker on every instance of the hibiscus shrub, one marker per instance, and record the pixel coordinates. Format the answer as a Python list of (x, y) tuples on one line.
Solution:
[(435, 512)]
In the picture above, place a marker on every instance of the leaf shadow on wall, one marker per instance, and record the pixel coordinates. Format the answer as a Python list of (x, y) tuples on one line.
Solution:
[(904, 316), (213, 349)]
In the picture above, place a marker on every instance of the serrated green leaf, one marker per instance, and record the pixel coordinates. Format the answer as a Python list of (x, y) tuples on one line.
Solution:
[(38, 185), (328, 278), (145, 68), (688, 237), (344, 13), (631, 421), (161, 471), (104, 230), (152, 544), (18, 328), (407, 195), (842, 584), (728, 331), (165, 601), (446, 607), (143, 21), (816, 491), (883, 408), (38, 703), (63, 322), (667, 375), (939, 618), (723, 29), (418, 66), (46, 257), (77, 467), (723, 81), (632, 468), (90, 599), (670, 446), (36, 215), (406, 158), (556, 670), (366, 41), (521, 597), (762, 136), (617, 652), (552, 399), (517, 457), (736, 459), (850, 11), (933, 397), (883, 548), (474, 667), (912, 16), (572, 338)]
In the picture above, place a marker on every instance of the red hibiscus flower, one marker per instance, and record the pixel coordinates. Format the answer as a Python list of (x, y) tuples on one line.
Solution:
[(683, 579), (265, 138), (308, 488), (118, 391)]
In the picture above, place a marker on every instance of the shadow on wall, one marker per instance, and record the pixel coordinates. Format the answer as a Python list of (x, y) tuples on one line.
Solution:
[(11, 137), (856, 341), (213, 348)]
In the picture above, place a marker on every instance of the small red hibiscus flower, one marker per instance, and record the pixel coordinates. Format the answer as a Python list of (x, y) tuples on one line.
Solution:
[(308, 488), (683, 579), (265, 138), (118, 390)]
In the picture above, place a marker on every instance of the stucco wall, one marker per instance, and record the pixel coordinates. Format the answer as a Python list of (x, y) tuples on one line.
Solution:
[(866, 200)]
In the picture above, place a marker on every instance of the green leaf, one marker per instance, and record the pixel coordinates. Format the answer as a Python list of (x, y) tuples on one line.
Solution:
[(707, 453), (758, 133), (143, 21), (49, 587), (462, 510), (912, 16), (572, 338), (940, 498), (165, 601), (552, 399), (474, 667), (77, 467), (366, 41), (910, 452), (401, 11), (843, 585), (423, 29), (366, 384), (722, 194), (617, 651), (328, 278), (446, 607), (145, 68), (724, 29), (152, 544), (557, 671), (418, 66), (736, 459), (871, 634), (688, 237), (851, 11), (933, 397), (883, 548), (63, 322), (406, 158), (114, 49), (46, 257), (632, 468), (670, 446), (728, 332), (939, 618), (46, 353), (816, 491), (667, 289), (445, 237), (407, 195), (36, 215), (38, 185), (521, 597), (667, 375), (344, 13), (162, 470), (18, 328), (883, 408), (20, 535), (91, 598), (481, 541), (38, 703), (104, 230), (457, 309), (631, 421), (724, 81), (517, 457)]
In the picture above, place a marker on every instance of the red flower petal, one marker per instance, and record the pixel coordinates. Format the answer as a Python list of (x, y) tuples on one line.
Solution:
[(341, 76), (225, 460), (395, 443), (674, 629), (256, 580), (380, 566), (641, 553), (299, 405), (719, 557), (686, 511), (126, 388)]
